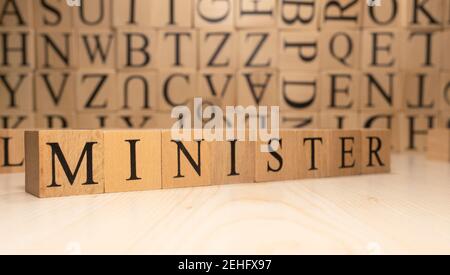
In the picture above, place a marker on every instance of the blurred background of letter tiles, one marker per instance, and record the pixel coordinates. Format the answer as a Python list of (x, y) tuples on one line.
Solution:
[(127, 63)]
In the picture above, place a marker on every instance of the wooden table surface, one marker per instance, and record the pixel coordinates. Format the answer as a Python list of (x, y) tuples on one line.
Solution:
[(407, 211)]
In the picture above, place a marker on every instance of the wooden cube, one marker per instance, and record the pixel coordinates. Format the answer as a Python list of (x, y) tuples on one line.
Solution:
[(424, 46), (257, 87), (176, 88), (345, 153), (53, 14), (230, 161), (97, 49), (340, 49), (55, 90), (446, 13), (136, 49), (211, 13), (12, 146), (421, 90), (381, 49), (280, 163), (93, 14), (422, 14), (172, 13), (133, 13), (17, 49), (341, 13), (376, 151), (381, 90), (16, 13), (438, 147), (257, 48), (444, 95), (95, 121), (255, 13), (64, 163), (132, 160), (385, 15), (96, 90), (313, 150), (177, 48), (299, 91), (299, 50), (414, 127), (16, 91), (57, 50), (217, 49), (382, 120), (56, 120), (340, 90), (16, 120), (220, 85), (300, 120), (185, 163), (338, 120), (298, 14), (137, 91)]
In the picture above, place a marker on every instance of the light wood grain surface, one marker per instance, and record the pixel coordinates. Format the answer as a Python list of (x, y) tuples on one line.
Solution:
[(407, 211)]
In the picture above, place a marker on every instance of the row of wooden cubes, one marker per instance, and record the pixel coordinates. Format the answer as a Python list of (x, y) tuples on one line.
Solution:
[(146, 48), (301, 14), (64, 163), (97, 91)]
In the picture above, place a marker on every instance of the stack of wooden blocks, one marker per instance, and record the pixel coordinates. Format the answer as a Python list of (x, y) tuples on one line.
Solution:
[(326, 63)]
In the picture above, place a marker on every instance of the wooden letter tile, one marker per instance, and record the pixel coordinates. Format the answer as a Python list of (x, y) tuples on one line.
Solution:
[(257, 87), (381, 48), (282, 163), (97, 49), (56, 50), (258, 48), (132, 160), (414, 127), (16, 91), (177, 48), (422, 14), (314, 148), (421, 90), (12, 158), (299, 120), (176, 87), (217, 49), (299, 91), (341, 13), (376, 151), (382, 120), (298, 14), (136, 49), (220, 85), (53, 14), (255, 13), (185, 163), (444, 95), (345, 153), (137, 91), (172, 13), (381, 90), (340, 90), (385, 15), (16, 120), (56, 120), (421, 49), (64, 163), (135, 13), (211, 13), (55, 90), (95, 121), (96, 90), (338, 120), (339, 49), (299, 50), (16, 13), (93, 14), (17, 49), (445, 57)]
